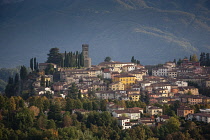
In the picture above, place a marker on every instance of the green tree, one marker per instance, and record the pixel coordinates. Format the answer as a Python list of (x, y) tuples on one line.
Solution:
[(194, 58), (42, 121), (67, 121), (35, 64), (32, 64), (51, 124), (132, 59), (107, 59), (172, 125), (54, 56), (202, 59), (49, 69), (23, 119), (23, 73), (73, 92)]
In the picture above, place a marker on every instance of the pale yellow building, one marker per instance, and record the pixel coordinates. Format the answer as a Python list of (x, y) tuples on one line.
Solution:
[(133, 95), (139, 75), (116, 86), (127, 80)]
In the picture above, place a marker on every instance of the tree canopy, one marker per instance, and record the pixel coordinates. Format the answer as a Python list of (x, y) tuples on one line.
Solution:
[(107, 59), (54, 56)]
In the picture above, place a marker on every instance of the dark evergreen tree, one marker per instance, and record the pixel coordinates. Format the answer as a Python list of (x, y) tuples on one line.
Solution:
[(202, 59), (16, 78), (9, 90), (32, 64), (207, 59), (107, 59), (179, 62), (49, 69), (54, 56), (73, 92), (23, 73), (174, 61), (132, 59), (35, 64)]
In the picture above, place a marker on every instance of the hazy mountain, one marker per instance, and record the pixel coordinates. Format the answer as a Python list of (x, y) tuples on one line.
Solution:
[(154, 31)]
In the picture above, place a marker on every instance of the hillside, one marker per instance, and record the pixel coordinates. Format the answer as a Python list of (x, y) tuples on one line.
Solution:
[(152, 31)]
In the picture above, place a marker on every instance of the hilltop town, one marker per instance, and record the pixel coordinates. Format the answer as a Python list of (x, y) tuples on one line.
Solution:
[(133, 94)]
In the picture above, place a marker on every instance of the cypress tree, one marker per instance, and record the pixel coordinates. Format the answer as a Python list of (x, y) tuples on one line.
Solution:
[(207, 59), (23, 73), (81, 59), (132, 59), (202, 59), (35, 66), (32, 64), (16, 78)]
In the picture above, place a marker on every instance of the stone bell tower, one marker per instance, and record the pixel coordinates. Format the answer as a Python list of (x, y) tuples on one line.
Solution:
[(85, 52)]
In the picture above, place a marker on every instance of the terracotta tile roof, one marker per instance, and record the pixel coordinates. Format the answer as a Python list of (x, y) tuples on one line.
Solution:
[(126, 111), (122, 118)]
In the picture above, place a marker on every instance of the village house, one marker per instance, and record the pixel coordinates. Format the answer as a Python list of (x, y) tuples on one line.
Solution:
[(124, 122), (130, 113), (181, 83), (200, 117), (121, 95), (106, 74), (148, 89), (205, 111), (163, 100), (113, 74), (116, 86), (162, 85), (188, 90), (98, 86), (172, 73), (170, 64), (128, 68), (43, 66), (184, 111), (133, 95), (105, 94), (162, 118), (161, 71), (145, 84), (147, 121), (154, 110), (58, 86), (138, 74), (127, 80), (111, 107), (190, 99)]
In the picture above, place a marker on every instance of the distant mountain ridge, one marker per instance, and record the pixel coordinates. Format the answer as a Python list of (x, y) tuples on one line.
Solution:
[(152, 31)]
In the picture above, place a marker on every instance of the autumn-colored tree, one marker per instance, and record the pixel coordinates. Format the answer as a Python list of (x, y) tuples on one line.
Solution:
[(35, 110), (67, 121), (12, 104)]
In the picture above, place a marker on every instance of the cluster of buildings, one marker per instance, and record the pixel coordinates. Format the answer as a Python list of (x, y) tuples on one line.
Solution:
[(130, 81)]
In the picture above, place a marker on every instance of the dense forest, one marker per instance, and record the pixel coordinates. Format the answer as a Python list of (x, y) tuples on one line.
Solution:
[(40, 117)]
